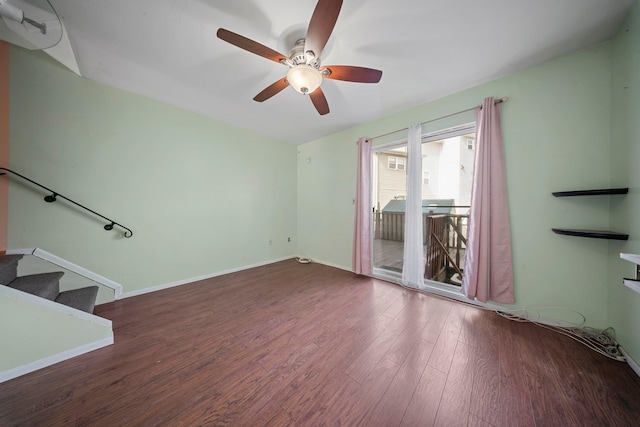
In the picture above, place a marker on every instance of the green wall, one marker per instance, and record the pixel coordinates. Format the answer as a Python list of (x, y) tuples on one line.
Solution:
[(201, 196), (624, 304), (556, 128), (30, 333)]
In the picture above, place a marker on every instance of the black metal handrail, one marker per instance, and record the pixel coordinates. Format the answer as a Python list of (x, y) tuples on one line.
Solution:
[(54, 195)]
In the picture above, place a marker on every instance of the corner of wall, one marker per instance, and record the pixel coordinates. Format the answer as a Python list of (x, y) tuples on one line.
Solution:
[(623, 303), (4, 141)]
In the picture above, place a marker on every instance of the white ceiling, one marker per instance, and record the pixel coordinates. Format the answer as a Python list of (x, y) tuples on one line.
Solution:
[(168, 50)]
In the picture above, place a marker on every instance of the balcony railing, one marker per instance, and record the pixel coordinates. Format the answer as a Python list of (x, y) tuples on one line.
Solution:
[(444, 239)]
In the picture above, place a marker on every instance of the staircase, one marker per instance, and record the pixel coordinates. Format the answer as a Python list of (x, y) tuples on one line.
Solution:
[(46, 285)]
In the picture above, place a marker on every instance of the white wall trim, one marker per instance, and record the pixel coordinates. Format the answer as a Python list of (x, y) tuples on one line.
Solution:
[(196, 279), (52, 305), (631, 362), (440, 291), (56, 358), (42, 254), (452, 292), (28, 251), (327, 263)]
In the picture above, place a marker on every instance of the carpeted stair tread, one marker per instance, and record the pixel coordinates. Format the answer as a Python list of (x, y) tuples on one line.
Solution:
[(83, 299), (9, 268), (45, 285)]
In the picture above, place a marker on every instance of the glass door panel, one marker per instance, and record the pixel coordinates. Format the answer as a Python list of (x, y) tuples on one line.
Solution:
[(447, 165), (389, 170)]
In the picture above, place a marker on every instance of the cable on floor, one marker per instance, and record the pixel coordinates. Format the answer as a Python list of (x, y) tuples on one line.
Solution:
[(600, 341)]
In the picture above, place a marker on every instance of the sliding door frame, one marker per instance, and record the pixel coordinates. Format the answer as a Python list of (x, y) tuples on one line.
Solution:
[(432, 286)]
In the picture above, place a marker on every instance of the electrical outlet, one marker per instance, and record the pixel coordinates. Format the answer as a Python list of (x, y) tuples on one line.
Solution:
[(288, 239)]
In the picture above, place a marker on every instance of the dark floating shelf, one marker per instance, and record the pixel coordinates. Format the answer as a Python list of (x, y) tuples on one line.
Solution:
[(594, 234), (604, 191)]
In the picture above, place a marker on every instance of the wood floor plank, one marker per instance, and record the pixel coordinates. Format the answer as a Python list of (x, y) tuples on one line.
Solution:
[(423, 406), (475, 421), (221, 403), (34, 406), (455, 404), (362, 366), (397, 371), (292, 344), (445, 346), (392, 407), (353, 402), (514, 396), (588, 396), (543, 380), (480, 332), (305, 390), (143, 406), (437, 320), (268, 396)]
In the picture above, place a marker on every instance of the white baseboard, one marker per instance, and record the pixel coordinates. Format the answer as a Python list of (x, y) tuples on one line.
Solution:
[(443, 291), (327, 263), (631, 362), (56, 358), (196, 279), (27, 251)]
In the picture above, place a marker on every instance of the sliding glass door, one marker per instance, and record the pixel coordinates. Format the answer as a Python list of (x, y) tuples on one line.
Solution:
[(447, 171), (389, 169)]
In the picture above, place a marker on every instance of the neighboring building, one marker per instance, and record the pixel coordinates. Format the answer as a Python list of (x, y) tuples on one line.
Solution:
[(447, 172), (447, 168), (390, 177)]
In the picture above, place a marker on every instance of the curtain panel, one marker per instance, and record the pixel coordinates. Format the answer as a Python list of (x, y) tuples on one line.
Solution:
[(363, 216), (413, 265), (488, 273)]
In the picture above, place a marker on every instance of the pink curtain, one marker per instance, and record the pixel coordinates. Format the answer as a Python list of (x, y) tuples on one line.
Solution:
[(362, 228), (488, 272)]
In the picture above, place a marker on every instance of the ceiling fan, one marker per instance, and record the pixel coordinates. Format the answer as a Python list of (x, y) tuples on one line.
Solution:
[(305, 73)]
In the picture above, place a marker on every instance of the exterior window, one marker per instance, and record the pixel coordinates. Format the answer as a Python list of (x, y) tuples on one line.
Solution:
[(471, 143), (425, 177), (397, 163)]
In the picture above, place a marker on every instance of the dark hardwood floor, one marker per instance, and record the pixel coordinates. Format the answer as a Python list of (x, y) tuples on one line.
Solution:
[(308, 345)]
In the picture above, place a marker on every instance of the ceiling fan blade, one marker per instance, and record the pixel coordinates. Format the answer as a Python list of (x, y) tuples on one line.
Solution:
[(271, 90), (319, 101), (321, 25), (353, 74), (249, 45)]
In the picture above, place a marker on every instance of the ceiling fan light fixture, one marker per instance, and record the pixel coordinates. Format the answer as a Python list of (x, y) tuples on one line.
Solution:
[(305, 74), (304, 78)]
